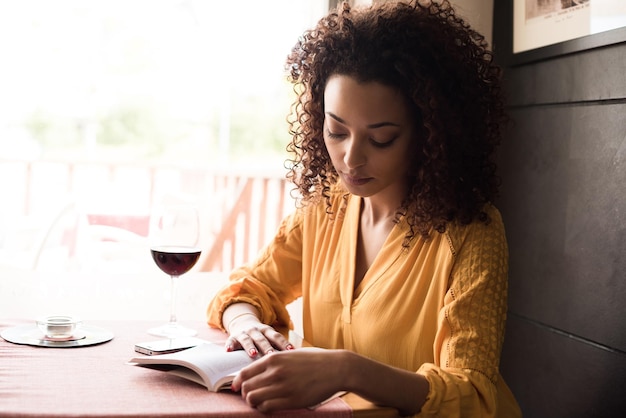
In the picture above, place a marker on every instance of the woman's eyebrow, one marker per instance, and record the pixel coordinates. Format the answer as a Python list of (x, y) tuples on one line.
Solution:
[(371, 126)]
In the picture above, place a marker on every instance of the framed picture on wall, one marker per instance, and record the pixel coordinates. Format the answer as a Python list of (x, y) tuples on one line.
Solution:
[(546, 28)]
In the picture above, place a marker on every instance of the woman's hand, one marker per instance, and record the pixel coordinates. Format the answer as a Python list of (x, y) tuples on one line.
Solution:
[(308, 376), (288, 380), (247, 332)]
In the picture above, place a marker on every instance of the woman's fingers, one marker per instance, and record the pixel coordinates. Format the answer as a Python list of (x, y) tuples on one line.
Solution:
[(286, 380), (232, 344), (258, 340), (277, 339)]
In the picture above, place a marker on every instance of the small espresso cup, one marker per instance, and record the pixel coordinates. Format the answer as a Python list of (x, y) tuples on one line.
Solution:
[(59, 326)]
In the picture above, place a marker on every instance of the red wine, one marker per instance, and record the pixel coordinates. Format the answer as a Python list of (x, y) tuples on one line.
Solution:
[(175, 260)]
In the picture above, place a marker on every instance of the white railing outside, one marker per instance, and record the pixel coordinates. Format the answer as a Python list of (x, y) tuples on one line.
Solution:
[(93, 216)]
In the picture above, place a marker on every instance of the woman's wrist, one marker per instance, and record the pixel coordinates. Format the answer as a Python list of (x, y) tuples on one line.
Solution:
[(381, 383), (238, 312), (347, 373)]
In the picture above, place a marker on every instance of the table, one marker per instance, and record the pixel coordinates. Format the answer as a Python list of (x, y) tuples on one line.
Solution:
[(95, 381)]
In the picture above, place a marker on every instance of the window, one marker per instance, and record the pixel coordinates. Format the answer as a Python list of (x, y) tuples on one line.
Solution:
[(108, 106)]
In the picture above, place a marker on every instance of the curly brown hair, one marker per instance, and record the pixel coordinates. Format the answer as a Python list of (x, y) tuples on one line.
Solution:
[(448, 74)]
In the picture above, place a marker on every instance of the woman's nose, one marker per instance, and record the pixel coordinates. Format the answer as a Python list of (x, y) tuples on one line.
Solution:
[(355, 155)]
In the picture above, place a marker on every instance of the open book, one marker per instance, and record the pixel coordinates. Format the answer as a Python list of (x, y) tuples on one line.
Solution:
[(207, 364)]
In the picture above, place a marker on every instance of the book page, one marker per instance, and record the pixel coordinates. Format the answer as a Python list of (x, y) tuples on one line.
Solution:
[(217, 365), (211, 362)]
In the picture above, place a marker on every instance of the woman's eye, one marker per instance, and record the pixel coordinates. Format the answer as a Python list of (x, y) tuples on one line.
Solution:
[(385, 144), (334, 135), (338, 135)]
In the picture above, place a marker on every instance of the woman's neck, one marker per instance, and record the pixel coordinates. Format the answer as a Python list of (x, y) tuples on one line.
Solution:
[(373, 213), (383, 206)]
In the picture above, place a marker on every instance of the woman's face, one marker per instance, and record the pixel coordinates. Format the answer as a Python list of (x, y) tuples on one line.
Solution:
[(368, 133)]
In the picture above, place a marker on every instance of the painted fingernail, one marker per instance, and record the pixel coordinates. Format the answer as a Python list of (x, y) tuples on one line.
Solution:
[(253, 352), (290, 347)]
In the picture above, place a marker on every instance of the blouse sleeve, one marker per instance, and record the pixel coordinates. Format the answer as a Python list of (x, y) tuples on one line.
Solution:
[(463, 378), (269, 283)]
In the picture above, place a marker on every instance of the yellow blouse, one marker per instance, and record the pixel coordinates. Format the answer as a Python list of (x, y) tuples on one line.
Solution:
[(438, 308)]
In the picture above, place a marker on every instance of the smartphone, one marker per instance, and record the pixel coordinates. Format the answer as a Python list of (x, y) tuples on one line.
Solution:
[(169, 345)]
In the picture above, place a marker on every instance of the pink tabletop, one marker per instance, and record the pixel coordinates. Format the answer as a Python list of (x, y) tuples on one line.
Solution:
[(95, 381)]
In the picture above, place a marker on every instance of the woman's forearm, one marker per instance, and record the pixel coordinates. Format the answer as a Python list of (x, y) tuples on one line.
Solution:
[(383, 384)]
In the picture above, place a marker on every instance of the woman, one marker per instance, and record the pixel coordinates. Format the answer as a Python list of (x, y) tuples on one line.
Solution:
[(397, 251)]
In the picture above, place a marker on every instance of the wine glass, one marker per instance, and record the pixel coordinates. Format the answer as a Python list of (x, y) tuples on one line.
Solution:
[(173, 236)]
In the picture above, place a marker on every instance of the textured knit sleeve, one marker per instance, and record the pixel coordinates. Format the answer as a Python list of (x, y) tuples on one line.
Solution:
[(464, 377), (269, 283)]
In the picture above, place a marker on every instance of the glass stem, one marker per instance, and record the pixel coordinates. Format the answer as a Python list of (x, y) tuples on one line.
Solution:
[(174, 285)]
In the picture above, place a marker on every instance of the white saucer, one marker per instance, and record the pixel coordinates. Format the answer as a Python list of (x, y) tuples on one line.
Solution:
[(30, 334), (79, 335)]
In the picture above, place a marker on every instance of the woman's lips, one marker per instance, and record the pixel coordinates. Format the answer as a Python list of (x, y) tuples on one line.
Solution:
[(356, 181)]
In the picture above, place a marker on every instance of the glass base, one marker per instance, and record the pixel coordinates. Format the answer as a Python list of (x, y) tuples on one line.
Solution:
[(172, 330)]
